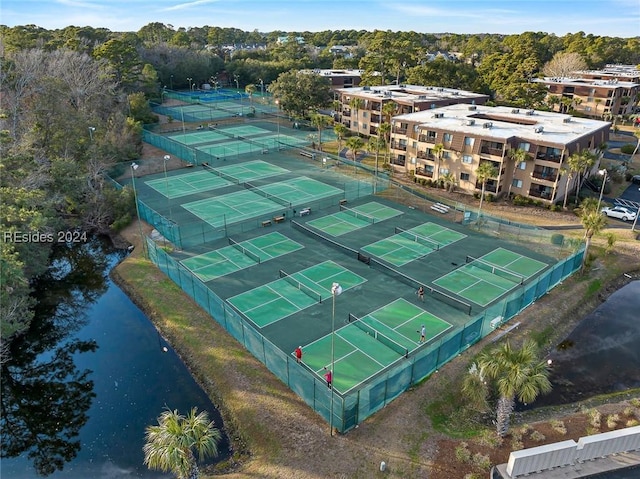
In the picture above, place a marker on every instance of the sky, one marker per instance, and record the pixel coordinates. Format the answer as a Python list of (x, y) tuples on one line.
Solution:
[(618, 18)]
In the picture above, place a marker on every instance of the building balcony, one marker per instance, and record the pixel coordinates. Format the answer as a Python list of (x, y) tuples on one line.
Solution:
[(397, 161), (490, 187), (424, 173), (399, 146), (427, 138), (491, 151), (541, 156), (400, 131), (544, 175), (346, 113)]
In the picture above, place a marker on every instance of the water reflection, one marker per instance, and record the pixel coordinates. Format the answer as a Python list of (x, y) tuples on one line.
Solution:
[(89, 376), (601, 355)]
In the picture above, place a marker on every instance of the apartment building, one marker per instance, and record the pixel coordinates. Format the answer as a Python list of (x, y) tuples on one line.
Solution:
[(340, 78), (595, 94), (471, 134), (361, 108)]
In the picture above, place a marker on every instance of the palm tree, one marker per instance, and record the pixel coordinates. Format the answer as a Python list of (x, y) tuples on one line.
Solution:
[(517, 155), (437, 152), (356, 104), (515, 373), (593, 222), (485, 171), (170, 445), (355, 144), (374, 145), (579, 163), (340, 130), (320, 122), (449, 181), (384, 130)]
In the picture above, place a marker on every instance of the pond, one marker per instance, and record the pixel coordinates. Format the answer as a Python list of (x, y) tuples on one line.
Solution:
[(601, 355), (89, 376)]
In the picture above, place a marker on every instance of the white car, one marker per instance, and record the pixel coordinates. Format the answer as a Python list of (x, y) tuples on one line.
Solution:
[(620, 212)]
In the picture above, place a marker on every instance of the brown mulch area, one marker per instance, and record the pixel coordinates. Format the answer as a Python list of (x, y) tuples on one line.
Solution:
[(401, 434)]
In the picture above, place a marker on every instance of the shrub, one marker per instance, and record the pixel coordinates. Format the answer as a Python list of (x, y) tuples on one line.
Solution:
[(635, 402), (489, 438), (537, 436), (473, 475), (632, 423), (462, 453), (559, 427), (628, 148), (482, 461), (612, 421), (594, 418)]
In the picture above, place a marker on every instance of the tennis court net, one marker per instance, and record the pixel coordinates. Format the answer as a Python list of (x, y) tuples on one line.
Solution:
[(357, 214), (497, 270), (429, 243), (219, 173), (302, 287), (377, 335), (415, 284), (244, 251), (264, 146), (269, 196)]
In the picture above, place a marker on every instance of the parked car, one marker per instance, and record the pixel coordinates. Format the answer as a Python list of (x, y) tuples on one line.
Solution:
[(620, 212), (635, 179)]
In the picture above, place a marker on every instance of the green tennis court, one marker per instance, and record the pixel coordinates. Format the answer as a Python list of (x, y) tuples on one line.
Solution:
[(202, 136), (232, 208), (241, 255), (251, 170), (294, 292), (369, 344), (351, 219), (300, 190), (409, 245), (483, 280), (187, 184)]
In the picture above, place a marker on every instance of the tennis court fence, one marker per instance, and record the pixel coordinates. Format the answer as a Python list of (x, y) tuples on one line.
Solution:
[(302, 287), (495, 269), (379, 336)]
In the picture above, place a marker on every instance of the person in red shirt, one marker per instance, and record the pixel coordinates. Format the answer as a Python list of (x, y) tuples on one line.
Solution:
[(298, 353), (329, 377)]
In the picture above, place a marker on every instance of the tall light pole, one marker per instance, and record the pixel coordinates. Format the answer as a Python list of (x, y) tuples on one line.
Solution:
[(336, 290), (602, 173), (91, 130), (167, 158), (261, 88), (278, 120), (134, 167), (189, 79)]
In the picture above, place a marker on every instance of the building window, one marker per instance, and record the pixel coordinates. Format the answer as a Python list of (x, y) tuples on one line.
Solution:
[(447, 137), (517, 183), (446, 155), (364, 126), (414, 144), (468, 141), (355, 125), (444, 171), (464, 176), (467, 159), (522, 165), (524, 146), (587, 108)]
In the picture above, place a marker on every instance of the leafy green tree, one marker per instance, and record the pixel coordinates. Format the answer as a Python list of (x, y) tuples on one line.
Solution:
[(514, 373), (384, 130), (171, 444), (437, 152), (122, 55), (299, 92), (449, 181)]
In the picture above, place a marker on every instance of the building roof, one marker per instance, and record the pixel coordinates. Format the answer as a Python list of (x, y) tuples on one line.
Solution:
[(410, 93), (503, 123), (611, 84), (338, 73)]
